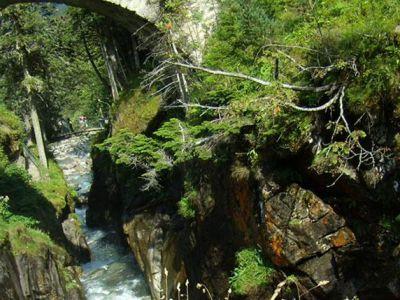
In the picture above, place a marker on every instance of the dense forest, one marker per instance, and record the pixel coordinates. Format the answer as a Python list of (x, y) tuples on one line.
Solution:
[(239, 149)]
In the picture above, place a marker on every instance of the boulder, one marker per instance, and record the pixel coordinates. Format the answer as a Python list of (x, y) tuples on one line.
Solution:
[(304, 232), (73, 232)]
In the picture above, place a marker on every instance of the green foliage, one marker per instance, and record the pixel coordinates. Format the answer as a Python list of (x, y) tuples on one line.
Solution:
[(331, 158), (28, 199), (186, 209), (7, 216), (186, 206), (31, 204), (252, 271), (54, 187), (10, 122), (28, 241), (170, 143), (129, 149), (11, 129), (316, 43), (47, 43), (136, 110)]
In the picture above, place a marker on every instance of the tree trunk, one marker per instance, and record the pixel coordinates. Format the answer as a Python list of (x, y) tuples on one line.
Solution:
[(92, 62), (44, 134), (136, 57), (123, 79), (36, 123), (30, 163), (111, 72), (38, 136), (183, 87)]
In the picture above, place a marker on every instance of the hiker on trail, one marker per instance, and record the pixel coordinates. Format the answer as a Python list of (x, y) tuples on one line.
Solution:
[(83, 122)]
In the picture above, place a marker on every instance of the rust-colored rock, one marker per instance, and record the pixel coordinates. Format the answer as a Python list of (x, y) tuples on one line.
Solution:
[(342, 238), (303, 232), (299, 225)]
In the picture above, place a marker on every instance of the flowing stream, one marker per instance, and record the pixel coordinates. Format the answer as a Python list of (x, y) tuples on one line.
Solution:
[(112, 273)]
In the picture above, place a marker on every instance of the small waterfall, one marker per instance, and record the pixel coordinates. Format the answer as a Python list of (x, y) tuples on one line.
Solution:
[(112, 273)]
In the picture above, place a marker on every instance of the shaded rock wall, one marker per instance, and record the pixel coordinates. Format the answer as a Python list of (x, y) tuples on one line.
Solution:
[(297, 230)]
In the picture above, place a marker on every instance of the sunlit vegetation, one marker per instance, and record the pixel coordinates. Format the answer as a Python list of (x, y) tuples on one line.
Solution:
[(252, 272)]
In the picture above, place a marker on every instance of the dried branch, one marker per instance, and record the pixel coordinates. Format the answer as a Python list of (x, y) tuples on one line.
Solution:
[(322, 107), (187, 105), (338, 95), (254, 79), (278, 289)]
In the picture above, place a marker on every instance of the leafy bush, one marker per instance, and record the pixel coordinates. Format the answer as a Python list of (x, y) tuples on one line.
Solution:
[(186, 206), (315, 43), (252, 271), (11, 129)]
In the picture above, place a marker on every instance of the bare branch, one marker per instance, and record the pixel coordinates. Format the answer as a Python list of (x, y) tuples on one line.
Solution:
[(321, 107), (186, 105), (314, 109), (254, 79), (278, 289)]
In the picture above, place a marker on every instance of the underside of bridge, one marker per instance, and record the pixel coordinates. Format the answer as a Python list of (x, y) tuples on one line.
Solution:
[(135, 15)]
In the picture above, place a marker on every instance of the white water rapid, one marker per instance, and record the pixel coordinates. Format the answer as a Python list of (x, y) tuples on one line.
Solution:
[(113, 273)]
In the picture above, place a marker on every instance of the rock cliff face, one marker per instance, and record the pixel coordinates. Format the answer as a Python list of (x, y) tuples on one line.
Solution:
[(297, 230), (155, 245), (37, 277)]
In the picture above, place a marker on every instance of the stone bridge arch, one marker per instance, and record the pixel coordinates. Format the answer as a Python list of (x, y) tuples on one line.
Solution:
[(132, 14), (144, 14)]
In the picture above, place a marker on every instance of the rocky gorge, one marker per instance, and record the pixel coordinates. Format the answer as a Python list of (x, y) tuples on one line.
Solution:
[(300, 232), (178, 149), (109, 271)]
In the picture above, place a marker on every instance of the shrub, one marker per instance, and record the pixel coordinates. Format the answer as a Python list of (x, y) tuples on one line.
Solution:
[(240, 172), (12, 122), (186, 208), (252, 271)]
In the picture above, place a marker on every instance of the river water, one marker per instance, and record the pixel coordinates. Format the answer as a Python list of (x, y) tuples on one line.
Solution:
[(113, 273)]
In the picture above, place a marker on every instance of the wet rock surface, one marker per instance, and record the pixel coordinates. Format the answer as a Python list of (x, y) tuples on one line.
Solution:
[(150, 229), (73, 157), (113, 273), (299, 232)]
